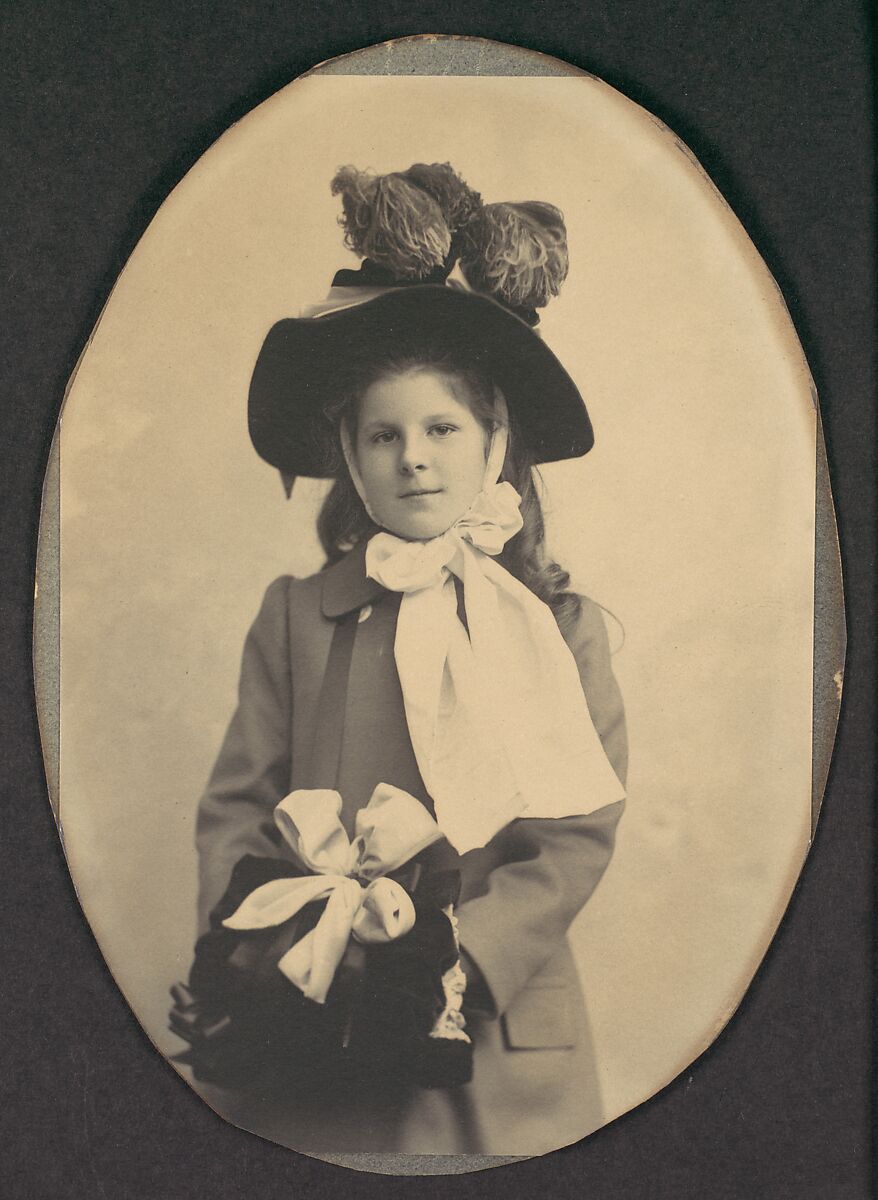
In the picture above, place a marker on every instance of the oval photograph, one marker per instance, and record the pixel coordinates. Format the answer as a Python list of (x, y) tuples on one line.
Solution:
[(441, 731)]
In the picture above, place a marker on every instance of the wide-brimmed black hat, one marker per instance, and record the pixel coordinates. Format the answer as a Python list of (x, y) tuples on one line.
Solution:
[(306, 363)]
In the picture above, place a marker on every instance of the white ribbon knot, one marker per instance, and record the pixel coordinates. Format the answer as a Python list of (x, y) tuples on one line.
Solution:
[(400, 566), (350, 875)]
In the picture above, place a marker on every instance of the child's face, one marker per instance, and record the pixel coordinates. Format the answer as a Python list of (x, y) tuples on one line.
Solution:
[(421, 452)]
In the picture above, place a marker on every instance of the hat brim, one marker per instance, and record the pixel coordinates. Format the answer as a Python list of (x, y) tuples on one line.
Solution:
[(306, 362)]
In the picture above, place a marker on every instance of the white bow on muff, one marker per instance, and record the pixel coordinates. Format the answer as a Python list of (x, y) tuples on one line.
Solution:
[(350, 874)]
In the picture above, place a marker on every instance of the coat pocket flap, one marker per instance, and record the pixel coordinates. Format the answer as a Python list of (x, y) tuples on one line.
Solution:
[(540, 1018)]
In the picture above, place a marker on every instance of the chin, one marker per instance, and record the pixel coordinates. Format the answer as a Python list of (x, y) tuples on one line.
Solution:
[(420, 531), (417, 527), (418, 523)]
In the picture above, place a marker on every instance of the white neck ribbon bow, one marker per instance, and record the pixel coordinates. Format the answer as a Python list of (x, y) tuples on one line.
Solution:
[(350, 875), (495, 709)]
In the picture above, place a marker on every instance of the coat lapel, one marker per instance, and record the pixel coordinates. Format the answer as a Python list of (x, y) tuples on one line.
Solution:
[(375, 747), (347, 587)]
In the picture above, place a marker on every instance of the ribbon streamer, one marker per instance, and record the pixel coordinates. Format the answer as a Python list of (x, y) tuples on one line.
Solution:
[(349, 874), (497, 717)]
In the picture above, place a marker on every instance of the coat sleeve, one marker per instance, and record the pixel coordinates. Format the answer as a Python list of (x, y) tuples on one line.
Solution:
[(548, 867), (252, 772)]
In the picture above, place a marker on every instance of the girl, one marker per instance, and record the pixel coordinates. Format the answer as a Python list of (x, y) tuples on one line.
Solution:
[(440, 653)]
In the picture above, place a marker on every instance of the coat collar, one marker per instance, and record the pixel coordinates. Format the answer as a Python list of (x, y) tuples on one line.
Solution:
[(371, 275), (346, 586)]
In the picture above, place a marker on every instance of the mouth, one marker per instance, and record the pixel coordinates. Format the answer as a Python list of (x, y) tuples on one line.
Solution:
[(416, 492)]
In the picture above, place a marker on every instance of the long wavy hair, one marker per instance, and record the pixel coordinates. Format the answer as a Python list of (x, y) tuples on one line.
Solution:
[(343, 521)]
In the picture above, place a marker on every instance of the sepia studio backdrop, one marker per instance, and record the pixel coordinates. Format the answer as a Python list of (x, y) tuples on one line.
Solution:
[(691, 521)]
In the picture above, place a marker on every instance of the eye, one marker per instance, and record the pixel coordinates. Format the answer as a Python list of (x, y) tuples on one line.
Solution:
[(443, 431), (382, 437)]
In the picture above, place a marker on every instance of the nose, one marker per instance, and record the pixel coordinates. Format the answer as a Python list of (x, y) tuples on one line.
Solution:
[(413, 455)]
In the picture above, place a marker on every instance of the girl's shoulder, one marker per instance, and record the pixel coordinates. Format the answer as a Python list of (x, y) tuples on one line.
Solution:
[(290, 592), (587, 622), (336, 589), (589, 642), (586, 632), (290, 609)]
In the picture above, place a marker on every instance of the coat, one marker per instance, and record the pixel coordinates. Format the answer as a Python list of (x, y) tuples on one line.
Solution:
[(535, 1084)]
